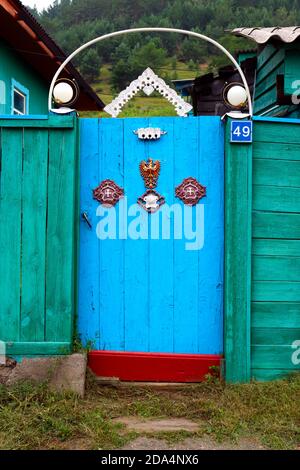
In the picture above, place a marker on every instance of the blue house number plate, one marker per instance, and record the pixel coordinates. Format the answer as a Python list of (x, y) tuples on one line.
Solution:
[(241, 132)]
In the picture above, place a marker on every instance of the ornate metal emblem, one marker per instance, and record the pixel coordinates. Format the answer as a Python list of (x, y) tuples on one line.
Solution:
[(151, 201), (190, 191), (148, 82), (149, 133), (108, 193), (150, 172)]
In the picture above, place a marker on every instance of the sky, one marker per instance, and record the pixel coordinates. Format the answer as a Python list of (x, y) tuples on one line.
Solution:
[(40, 4)]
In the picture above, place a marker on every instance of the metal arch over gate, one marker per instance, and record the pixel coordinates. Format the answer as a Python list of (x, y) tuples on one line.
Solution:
[(159, 30)]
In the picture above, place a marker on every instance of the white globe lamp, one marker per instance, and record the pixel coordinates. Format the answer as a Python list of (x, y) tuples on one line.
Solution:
[(237, 96), (63, 93)]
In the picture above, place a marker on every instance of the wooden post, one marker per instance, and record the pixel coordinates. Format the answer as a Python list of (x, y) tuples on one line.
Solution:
[(238, 227)]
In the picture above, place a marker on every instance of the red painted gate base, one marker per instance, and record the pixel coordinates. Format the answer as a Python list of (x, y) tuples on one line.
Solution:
[(153, 367)]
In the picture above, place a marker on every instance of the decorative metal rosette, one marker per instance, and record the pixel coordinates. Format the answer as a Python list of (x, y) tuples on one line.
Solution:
[(190, 191), (108, 193)]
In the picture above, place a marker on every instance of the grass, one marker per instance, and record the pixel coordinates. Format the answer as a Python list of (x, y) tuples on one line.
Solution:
[(141, 105), (34, 418)]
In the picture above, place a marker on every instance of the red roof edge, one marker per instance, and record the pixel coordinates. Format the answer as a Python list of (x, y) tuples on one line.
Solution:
[(29, 23)]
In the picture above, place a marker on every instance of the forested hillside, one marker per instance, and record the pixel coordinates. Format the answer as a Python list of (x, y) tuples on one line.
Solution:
[(72, 22)]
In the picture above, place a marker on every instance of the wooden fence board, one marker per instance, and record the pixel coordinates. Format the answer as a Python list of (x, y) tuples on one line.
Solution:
[(276, 225), (10, 233), (60, 236), (34, 210), (275, 314)]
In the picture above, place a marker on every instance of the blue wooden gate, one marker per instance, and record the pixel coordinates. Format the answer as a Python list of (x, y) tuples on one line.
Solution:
[(157, 293)]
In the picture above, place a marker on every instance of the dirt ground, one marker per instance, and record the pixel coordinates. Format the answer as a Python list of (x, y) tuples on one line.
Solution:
[(206, 416)]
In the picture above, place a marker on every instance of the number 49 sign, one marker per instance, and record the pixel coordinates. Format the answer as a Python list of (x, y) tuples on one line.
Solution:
[(241, 132)]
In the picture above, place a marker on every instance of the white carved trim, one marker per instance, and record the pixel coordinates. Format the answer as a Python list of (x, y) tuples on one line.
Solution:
[(148, 82)]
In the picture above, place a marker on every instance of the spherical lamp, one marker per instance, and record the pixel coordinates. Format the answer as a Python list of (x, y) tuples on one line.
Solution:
[(236, 96), (63, 93)]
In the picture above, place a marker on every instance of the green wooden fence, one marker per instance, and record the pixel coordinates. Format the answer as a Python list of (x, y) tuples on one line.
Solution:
[(38, 243), (262, 245), (38, 234)]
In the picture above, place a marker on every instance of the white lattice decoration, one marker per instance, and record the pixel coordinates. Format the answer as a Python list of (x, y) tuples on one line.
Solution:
[(148, 82)]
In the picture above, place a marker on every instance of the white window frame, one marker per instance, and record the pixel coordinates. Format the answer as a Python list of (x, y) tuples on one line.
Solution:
[(16, 87)]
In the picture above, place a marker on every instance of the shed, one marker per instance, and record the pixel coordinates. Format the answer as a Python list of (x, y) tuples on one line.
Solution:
[(278, 70), (206, 91)]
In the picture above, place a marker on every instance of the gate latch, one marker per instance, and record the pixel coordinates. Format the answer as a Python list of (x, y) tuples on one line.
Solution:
[(86, 219)]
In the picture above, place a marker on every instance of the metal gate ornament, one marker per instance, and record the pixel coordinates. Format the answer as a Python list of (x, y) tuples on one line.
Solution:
[(190, 191), (149, 133), (151, 201), (108, 193), (150, 172)]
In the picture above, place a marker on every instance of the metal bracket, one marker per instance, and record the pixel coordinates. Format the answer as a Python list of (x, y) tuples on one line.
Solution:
[(149, 133)]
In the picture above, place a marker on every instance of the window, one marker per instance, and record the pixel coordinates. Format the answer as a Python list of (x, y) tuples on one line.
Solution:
[(20, 99)]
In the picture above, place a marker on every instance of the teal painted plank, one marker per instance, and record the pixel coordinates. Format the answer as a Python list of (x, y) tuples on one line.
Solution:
[(274, 61), (274, 133), (269, 81), (10, 233), (276, 198), (38, 348), (274, 336), (136, 260), (276, 225), (266, 100), (276, 173), (276, 247), (273, 357), (275, 314), (111, 252), (238, 197), (268, 375), (266, 54), (58, 122), (278, 151), (272, 291), (34, 210), (161, 251), (89, 287), (275, 268), (61, 227)]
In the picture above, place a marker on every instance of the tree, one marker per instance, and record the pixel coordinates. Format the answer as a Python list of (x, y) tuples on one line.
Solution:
[(72, 22), (90, 64), (128, 68)]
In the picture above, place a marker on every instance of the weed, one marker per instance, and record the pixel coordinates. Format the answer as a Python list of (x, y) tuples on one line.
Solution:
[(32, 417)]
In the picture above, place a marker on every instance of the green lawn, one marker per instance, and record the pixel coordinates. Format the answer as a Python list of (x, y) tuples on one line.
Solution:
[(33, 418)]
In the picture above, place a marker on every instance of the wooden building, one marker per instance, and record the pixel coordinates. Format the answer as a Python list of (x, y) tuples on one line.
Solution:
[(29, 59), (272, 70)]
